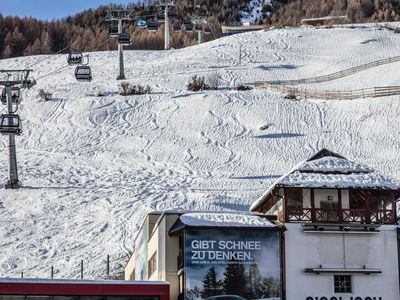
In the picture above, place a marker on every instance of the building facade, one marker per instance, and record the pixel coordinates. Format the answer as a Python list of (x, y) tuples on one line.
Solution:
[(327, 230), (211, 255), (341, 240)]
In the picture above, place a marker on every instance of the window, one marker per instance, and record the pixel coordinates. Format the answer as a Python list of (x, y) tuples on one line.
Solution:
[(152, 265), (294, 197), (342, 283)]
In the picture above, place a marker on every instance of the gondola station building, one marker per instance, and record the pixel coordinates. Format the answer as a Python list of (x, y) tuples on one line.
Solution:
[(326, 230)]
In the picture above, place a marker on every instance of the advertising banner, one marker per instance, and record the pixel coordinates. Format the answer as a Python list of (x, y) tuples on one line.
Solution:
[(232, 264)]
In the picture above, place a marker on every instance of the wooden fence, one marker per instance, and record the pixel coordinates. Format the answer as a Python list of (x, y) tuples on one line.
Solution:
[(292, 91), (288, 86)]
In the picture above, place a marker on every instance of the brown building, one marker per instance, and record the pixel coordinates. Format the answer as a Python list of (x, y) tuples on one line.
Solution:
[(341, 239)]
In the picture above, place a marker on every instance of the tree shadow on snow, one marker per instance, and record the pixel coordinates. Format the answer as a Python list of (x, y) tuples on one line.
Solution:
[(279, 135), (28, 187), (256, 177), (182, 96), (287, 67)]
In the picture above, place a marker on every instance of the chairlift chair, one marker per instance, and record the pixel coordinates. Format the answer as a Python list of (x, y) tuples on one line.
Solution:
[(141, 23), (10, 124), (74, 58), (15, 95), (177, 27), (188, 25), (160, 18), (197, 27), (152, 26), (207, 29), (124, 39), (113, 31), (83, 73), (172, 15)]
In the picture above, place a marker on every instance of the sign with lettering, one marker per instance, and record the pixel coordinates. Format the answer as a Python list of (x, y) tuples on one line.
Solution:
[(237, 263), (344, 298)]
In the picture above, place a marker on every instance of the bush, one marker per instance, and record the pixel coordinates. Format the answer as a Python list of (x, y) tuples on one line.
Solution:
[(291, 94), (213, 81), (196, 84), (127, 89), (45, 96), (242, 87)]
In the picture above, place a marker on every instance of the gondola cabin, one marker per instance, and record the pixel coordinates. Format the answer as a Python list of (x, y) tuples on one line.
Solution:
[(10, 124), (152, 26), (188, 25), (197, 27), (124, 39), (74, 58), (161, 18), (141, 23), (177, 27), (172, 15), (113, 31), (16, 95), (83, 73)]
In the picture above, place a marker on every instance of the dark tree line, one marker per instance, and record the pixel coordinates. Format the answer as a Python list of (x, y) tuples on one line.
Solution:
[(29, 36), (249, 284), (87, 32), (290, 13)]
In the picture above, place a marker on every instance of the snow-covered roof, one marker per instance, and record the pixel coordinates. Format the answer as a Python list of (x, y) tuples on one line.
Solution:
[(331, 164), (324, 18), (327, 169), (225, 219)]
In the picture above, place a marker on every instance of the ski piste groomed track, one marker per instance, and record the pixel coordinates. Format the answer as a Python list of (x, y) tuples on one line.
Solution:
[(92, 163)]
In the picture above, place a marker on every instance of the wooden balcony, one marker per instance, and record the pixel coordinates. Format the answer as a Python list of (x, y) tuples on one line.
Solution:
[(318, 215)]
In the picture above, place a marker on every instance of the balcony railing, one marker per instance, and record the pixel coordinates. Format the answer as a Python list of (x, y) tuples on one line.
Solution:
[(319, 215)]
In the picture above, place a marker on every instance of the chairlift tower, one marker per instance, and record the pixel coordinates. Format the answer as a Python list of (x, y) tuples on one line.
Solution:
[(166, 4), (119, 16), (10, 79), (197, 22)]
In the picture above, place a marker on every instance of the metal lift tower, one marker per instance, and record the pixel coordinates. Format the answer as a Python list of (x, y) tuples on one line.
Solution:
[(119, 16), (8, 79), (166, 4)]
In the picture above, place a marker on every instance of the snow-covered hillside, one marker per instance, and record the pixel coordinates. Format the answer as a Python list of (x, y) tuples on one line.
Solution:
[(92, 167), (254, 13)]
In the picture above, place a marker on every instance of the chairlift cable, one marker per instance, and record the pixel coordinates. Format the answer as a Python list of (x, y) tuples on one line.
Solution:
[(194, 17), (59, 69), (98, 47), (69, 46), (53, 72), (3, 109)]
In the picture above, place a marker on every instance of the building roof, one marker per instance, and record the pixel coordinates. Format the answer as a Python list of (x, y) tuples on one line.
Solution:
[(225, 219), (324, 18), (222, 219), (327, 169)]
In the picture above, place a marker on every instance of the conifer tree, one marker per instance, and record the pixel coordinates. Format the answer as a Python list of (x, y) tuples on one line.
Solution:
[(235, 281), (211, 285), (254, 279)]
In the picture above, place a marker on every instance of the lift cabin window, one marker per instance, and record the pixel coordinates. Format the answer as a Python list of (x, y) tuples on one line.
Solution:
[(342, 283)]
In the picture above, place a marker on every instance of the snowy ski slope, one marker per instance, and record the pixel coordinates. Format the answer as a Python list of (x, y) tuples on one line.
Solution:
[(92, 167)]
